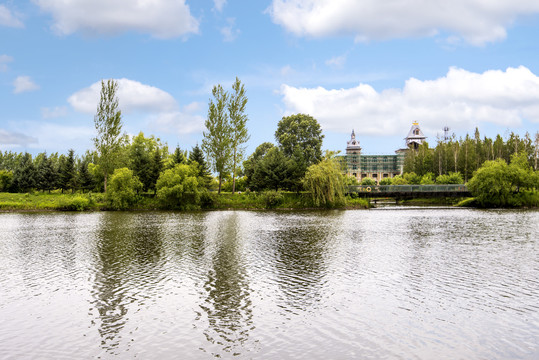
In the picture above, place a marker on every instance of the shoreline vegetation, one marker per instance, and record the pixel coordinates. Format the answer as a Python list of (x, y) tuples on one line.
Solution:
[(137, 172), (56, 201)]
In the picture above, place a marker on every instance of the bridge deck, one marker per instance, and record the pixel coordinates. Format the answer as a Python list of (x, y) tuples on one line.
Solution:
[(409, 191)]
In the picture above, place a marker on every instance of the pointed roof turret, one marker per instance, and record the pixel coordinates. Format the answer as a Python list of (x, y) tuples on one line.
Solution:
[(353, 144), (415, 136)]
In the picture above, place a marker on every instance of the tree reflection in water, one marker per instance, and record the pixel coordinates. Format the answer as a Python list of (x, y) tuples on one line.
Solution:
[(227, 305), (127, 257)]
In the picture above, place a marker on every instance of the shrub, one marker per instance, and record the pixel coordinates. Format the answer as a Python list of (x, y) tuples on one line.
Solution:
[(179, 188), (122, 189), (452, 178), (77, 203), (272, 199), (368, 182), (386, 181)]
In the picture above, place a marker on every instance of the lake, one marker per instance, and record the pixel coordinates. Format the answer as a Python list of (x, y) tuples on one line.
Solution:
[(387, 283)]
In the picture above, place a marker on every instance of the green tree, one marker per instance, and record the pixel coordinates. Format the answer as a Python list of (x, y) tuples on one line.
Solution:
[(156, 167), (24, 176), (451, 178), (238, 121), (272, 171), (178, 188), (123, 189), (178, 157), (250, 165), (68, 173), (325, 182), (46, 174), (108, 124), (6, 178), (301, 133), (490, 185), (217, 137), (204, 174), (85, 179)]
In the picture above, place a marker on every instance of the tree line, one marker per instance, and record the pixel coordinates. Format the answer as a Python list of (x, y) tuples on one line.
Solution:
[(466, 155)]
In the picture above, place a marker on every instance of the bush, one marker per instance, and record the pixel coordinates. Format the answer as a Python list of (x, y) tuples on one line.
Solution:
[(452, 178), (368, 182), (77, 203), (179, 188), (122, 189), (272, 199), (386, 181), (412, 178)]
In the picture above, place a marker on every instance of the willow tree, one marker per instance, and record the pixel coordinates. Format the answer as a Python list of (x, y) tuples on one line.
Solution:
[(108, 124), (238, 123), (325, 182), (217, 137)]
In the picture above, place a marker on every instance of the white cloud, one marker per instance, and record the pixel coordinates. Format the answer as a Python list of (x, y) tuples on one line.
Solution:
[(160, 18), (4, 60), (476, 21), (15, 138), (229, 32), (159, 107), (24, 84), (218, 5), (7, 18), (55, 112), (132, 96), (458, 99), (185, 121)]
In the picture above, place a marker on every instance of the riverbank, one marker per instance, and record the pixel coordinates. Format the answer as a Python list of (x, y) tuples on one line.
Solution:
[(56, 201)]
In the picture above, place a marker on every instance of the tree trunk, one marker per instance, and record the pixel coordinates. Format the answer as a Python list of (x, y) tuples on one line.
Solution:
[(234, 174)]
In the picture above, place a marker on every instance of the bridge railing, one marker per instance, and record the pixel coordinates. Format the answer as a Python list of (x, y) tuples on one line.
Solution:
[(406, 188)]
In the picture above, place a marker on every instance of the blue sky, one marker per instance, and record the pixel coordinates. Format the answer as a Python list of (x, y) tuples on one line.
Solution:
[(367, 65)]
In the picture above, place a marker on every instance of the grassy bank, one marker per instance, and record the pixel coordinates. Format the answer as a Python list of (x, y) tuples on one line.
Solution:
[(38, 201)]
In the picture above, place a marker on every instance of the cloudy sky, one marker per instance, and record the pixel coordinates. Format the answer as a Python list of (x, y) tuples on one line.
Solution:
[(369, 65)]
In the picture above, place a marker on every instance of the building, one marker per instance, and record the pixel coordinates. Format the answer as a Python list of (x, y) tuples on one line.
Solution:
[(378, 167)]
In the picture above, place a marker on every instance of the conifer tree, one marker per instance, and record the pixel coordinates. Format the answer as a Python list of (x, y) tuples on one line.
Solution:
[(203, 172)]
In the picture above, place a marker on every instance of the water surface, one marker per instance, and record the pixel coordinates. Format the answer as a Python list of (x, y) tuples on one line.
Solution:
[(394, 283)]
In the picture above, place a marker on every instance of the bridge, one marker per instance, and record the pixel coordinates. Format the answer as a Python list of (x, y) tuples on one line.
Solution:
[(409, 191)]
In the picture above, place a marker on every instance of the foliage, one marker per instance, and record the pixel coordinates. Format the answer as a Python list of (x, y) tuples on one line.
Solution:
[(497, 184), (368, 182), (47, 176), (123, 189), (300, 132), (271, 198), (204, 174), (67, 172), (179, 188), (24, 175), (411, 178), (6, 178), (108, 124), (451, 178), (386, 181), (427, 179), (238, 121), (217, 136), (398, 180), (325, 182), (271, 172)]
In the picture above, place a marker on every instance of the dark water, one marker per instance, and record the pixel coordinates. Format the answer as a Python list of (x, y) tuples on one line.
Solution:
[(383, 284)]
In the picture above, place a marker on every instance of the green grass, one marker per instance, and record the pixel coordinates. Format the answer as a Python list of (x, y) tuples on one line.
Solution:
[(38, 201), (52, 201)]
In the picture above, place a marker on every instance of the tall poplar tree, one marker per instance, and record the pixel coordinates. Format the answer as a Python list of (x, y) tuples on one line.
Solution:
[(217, 137), (238, 122), (108, 124)]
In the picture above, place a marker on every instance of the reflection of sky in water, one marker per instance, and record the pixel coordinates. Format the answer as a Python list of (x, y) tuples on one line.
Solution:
[(391, 282)]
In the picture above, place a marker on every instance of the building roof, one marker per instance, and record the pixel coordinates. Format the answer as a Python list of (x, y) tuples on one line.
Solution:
[(415, 134), (353, 144)]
